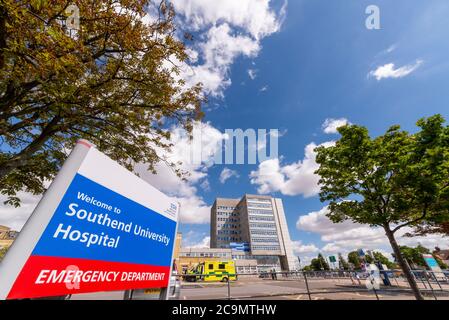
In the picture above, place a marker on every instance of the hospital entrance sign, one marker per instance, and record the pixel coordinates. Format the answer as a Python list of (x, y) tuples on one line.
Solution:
[(98, 227)]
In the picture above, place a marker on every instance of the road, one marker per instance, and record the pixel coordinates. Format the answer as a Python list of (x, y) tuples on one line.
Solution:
[(261, 289)]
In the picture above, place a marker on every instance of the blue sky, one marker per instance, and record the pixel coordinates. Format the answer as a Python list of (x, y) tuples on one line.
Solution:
[(290, 66), (317, 67)]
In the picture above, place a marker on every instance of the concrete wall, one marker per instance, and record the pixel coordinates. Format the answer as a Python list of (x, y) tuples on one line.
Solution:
[(291, 260)]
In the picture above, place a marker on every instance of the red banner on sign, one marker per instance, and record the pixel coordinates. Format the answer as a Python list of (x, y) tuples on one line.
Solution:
[(44, 276)]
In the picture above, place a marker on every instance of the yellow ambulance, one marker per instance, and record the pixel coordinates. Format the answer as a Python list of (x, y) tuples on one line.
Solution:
[(223, 271)]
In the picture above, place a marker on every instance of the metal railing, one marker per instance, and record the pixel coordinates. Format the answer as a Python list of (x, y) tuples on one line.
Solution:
[(316, 284)]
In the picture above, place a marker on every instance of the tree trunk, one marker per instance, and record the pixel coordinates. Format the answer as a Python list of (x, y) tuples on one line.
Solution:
[(403, 264)]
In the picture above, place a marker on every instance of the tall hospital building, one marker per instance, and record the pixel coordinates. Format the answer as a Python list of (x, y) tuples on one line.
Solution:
[(256, 226)]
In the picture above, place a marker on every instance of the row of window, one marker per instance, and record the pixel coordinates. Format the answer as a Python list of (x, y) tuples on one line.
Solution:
[(227, 214), (255, 211), (269, 248), (207, 255), (261, 218), (228, 219), (229, 239), (258, 200), (259, 205), (225, 208), (265, 240), (242, 257), (228, 226), (246, 269), (264, 232), (229, 232), (263, 225)]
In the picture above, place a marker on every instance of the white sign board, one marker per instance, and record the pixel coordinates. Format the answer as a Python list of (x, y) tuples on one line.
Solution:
[(98, 227)]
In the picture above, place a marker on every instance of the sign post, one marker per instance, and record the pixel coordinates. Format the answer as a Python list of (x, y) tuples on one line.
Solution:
[(332, 260), (98, 227)]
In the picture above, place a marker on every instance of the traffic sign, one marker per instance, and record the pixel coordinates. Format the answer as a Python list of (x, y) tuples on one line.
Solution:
[(431, 262)]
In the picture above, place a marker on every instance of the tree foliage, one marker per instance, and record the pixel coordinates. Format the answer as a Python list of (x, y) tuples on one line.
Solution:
[(414, 256), (115, 82), (342, 263), (378, 256), (319, 263), (402, 179), (353, 257), (392, 181)]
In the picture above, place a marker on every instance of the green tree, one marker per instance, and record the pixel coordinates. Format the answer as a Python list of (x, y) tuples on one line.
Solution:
[(438, 225), (319, 263), (414, 256), (115, 81), (307, 268), (440, 262), (378, 256), (353, 257), (342, 263), (369, 259), (393, 181)]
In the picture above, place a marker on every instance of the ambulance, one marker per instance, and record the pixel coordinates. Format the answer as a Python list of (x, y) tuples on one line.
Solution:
[(222, 271)]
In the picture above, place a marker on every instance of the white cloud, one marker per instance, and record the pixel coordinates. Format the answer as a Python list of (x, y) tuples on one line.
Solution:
[(254, 16), (299, 248), (13, 217), (389, 71), (277, 133), (204, 243), (193, 208), (226, 30), (391, 48), (263, 89), (388, 50), (252, 73), (348, 236), (195, 239), (227, 173), (293, 179), (205, 185), (331, 125)]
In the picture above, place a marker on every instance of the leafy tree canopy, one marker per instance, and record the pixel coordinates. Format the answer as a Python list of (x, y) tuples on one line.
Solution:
[(393, 181), (319, 263), (396, 179), (342, 263), (353, 257), (115, 81)]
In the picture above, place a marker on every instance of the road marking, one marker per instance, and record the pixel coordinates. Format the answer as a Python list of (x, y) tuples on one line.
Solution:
[(361, 295)]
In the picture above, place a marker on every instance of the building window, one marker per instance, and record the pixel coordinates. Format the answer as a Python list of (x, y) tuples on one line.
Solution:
[(266, 240), (264, 232), (260, 218)]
